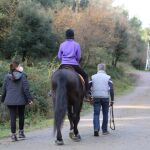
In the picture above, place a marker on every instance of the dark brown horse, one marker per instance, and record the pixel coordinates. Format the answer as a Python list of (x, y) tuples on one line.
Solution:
[(67, 93)]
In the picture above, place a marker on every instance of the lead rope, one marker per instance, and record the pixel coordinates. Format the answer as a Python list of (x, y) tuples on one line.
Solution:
[(112, 120)]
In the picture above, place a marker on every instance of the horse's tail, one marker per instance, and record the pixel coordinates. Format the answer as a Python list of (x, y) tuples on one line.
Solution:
[(60, 102)]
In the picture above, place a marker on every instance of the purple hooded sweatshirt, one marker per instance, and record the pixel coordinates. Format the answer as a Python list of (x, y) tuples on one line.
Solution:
[(69, 52)]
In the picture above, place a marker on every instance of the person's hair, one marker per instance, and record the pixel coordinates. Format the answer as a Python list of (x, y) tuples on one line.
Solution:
[(14, 62), (69, 34), (101, 67)]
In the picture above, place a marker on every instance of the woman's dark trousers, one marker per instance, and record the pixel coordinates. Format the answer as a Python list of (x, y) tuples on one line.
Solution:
[(13, 110)]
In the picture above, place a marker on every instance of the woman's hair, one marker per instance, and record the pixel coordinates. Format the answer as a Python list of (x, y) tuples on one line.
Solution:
[(69, 34), (14, 64)]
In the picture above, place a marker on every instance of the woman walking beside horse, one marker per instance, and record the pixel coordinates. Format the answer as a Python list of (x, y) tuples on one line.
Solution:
[(16, 96)]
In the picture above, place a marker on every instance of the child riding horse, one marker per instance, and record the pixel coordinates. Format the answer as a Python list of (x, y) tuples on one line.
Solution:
[(70, 54)]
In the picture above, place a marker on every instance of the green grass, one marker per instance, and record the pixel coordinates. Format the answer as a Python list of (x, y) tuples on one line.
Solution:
[(123, 86)]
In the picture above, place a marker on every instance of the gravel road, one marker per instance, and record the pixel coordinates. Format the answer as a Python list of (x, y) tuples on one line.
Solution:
[(132, 117)]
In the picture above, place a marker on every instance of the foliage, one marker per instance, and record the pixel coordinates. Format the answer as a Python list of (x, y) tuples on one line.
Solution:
[(31, 33), (118, 46), (138, 63), (7, 16), (84, 3), (35, 28), (137, 43)]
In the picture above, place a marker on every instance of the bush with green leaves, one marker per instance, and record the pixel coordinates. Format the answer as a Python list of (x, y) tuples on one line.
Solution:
[(3, 70), (138, 63), (31, 33)]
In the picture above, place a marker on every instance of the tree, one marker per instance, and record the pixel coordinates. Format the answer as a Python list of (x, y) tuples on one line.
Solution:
[(31, 33), (7, 16), (137, 43), (135, 23), (120, 47), (84, 3)]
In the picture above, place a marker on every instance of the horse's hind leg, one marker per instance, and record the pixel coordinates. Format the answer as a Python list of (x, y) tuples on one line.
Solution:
[(59, 140), (76, 120), (70, 117)]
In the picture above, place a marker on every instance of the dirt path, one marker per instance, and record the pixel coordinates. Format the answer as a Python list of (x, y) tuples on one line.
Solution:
[(132, 113)]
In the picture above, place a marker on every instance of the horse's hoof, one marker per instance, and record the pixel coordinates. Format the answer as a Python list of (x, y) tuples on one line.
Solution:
[(59, 142), (71, 135), (76, 138)]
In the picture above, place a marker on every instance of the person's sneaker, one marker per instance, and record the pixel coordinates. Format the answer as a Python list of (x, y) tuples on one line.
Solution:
[(96, 133), (21, 134), (106, 132), (14, 137)]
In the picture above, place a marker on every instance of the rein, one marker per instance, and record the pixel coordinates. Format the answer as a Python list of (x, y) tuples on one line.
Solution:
[(112, 120)]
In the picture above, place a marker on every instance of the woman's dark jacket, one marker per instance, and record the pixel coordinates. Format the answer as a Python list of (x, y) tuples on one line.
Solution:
[(16, 92)]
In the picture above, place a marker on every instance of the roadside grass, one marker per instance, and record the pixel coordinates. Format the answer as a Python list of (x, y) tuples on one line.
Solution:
[(123, 86)]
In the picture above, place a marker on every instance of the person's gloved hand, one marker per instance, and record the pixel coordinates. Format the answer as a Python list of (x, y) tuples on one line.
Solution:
[(111, 103)]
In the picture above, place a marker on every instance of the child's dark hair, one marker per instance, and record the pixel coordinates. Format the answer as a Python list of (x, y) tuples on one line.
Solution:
[(69, 34)]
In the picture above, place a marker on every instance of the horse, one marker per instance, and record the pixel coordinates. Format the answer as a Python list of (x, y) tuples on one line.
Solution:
[(67, 94)]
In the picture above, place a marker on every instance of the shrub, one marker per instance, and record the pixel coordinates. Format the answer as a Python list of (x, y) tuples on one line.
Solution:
[(138, 63), (3, 70)]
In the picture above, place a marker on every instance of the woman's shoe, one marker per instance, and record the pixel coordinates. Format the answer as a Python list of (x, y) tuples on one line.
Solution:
[(21, 134), (14, 137)]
